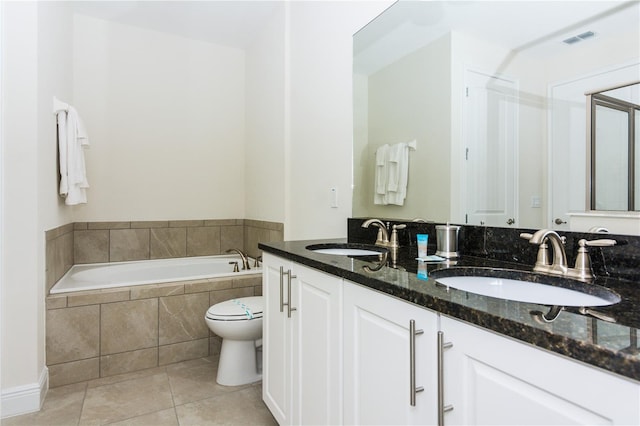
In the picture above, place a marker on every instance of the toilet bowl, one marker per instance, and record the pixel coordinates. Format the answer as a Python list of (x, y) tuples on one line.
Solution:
[(239, 323)]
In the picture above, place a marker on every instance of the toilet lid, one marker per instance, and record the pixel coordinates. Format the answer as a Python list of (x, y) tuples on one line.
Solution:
[(243, 308)]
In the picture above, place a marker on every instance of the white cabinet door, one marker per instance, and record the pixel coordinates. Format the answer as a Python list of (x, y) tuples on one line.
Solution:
[(377, 359), (276, 340), (318, 347), (302, 349), (491, 379)]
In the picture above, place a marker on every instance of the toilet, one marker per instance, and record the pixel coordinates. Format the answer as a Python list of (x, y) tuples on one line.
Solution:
[(239, 323)]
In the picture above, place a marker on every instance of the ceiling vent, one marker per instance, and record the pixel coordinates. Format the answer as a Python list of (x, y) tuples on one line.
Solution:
[(583, 36)]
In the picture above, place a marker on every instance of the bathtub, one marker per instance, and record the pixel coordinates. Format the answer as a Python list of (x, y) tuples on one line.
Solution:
[(97, 276)]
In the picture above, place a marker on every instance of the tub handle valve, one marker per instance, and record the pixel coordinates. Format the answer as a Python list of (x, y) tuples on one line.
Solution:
[(235, 266), (257, 260)]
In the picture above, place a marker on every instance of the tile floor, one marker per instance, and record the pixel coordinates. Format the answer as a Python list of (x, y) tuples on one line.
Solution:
[(185, 393)]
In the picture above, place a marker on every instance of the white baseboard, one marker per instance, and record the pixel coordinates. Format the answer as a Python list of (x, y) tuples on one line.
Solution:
[(24, 399)]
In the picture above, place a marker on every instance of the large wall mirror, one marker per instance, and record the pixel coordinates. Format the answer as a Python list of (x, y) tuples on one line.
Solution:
[(476, 111)]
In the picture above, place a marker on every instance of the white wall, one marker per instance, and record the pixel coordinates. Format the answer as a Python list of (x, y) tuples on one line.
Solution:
[(265, 123), (36, 65), (165, 117), (321, 118)]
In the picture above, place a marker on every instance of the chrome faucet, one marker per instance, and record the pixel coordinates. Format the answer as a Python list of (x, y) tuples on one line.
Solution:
[(245, 260), (581, 271)]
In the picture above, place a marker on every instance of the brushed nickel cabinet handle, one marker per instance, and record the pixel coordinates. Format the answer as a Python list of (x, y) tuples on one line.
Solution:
[(289, 278), (441, 407), (412, 363), (281, 289)]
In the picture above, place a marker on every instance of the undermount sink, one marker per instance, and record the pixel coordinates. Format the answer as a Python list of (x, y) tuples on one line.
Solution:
[(533, 292), (346, 249)]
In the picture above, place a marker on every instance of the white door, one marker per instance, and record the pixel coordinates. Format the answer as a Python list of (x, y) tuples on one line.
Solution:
[(377, 360), (490, 142), (318, 348), (276, 340), (494, 380)]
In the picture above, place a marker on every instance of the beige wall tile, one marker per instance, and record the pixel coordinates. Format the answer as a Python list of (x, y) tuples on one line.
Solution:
[(91, 246), (73, 372), (203, 241), (253, 236), (215, 344), (128, 326), (177, 352), (231, 237), (247, 281), (72, 334), (223, 295), (208, 285), (257, 290), (56, 302), (128, 244), (96, 297), (185, 223), (150, 224), (108, 225), (168, 242), (220, 222), (156, 290), (126, 362), (182, 318), (65, 260), (49, 263)]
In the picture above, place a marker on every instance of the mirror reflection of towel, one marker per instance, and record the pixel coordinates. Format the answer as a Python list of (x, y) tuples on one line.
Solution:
[(395, 173)]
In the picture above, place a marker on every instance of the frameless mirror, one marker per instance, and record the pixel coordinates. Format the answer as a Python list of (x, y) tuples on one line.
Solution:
[(492, 95)]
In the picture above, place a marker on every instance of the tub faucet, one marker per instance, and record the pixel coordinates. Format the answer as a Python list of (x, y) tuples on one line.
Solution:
[(245, 261)]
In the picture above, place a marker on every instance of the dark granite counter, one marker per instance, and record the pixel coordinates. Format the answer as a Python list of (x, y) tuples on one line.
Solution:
[(605, 337)]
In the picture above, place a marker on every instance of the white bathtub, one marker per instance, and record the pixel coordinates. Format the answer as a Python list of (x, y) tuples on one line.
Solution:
[(96, 276)]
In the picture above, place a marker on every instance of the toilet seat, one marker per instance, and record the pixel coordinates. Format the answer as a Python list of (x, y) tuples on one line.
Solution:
[(240, 309)]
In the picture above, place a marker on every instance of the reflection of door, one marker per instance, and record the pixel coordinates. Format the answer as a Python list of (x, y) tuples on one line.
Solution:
[(490, 150), (568, 191)]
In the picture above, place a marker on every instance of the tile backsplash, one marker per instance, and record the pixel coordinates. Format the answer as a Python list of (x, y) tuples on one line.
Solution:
[(97, 242)]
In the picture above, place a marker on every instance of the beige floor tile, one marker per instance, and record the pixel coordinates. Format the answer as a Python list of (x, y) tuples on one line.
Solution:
[(125, 400), (62, 406), (196, 381), (242, 407), (125, 377), (159, 418)]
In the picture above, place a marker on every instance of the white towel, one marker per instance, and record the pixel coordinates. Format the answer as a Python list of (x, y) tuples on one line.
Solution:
[(398, 172), (380, 190), (72, 137)]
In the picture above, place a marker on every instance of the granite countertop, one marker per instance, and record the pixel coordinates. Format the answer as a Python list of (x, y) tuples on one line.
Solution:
[(607, 340)]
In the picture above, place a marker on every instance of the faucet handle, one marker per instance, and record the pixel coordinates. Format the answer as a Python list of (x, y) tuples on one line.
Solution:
[(598, 243), (526, 235), (394, 235)]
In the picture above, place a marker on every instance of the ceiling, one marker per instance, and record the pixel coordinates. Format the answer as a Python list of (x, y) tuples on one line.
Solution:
[(226, 22), (539, 27)]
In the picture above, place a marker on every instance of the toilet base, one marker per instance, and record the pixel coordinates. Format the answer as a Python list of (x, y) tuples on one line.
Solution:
[(238, 363)]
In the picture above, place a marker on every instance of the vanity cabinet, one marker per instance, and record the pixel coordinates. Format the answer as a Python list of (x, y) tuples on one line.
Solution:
[(302, 343), (380, 346), (491, 379)]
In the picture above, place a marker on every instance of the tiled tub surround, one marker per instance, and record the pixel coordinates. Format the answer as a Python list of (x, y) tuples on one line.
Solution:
[(101, 333), (94, 334), (607, 345), (96, 242)]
